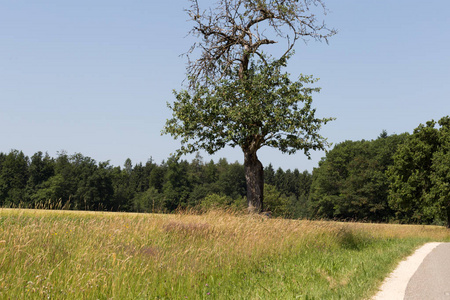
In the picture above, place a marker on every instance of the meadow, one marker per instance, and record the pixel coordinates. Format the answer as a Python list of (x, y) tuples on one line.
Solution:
[(218, 255)]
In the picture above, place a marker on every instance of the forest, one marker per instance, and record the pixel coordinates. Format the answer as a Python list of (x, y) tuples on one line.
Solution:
[(79, 182), (401, 178)]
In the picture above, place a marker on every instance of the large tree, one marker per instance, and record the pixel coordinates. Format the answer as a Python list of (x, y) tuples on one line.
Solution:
[(237, 95), (419, 177)]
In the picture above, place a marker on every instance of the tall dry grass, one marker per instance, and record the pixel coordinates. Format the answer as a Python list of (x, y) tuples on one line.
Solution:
[(218, 255)]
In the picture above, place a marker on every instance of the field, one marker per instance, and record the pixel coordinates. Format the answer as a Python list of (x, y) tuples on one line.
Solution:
[(218, 255)]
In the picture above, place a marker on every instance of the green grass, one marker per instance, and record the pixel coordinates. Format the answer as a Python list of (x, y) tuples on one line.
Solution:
[(83, 255)]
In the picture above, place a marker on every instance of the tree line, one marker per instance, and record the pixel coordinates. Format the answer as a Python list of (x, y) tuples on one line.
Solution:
[(79, 182), (396, 178), (401, 178)]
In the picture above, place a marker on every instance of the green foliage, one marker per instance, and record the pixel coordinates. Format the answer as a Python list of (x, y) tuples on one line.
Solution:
[(350, 182), (398, 178), (13, 178), (216, 201), (78, 182), (231, 179), (176, 187), (150, 201), (294, 186), (276, 202), (265, 108), (50, 190), (419, 177), (41, 168)]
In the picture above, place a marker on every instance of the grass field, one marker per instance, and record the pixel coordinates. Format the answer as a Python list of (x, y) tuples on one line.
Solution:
[(218, 255)]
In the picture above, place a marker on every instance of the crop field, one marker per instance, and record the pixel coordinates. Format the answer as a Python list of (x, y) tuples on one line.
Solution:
[(217, 255)]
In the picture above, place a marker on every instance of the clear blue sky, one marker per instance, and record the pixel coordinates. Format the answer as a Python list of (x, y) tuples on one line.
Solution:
[(94, 76)]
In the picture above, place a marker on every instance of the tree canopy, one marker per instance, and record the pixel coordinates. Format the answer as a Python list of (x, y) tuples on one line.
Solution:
[(267, 109), (419, 177), (350, 182)]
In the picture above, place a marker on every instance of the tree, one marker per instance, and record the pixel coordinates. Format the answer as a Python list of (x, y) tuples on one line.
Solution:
[(13, 178), (237, 95), (78, 182), (128, 166), (121, 191), (176, 187), (299, 201), (351, 183), (40, 170), (269, 175), (149, 201), (276, 202), (419, 177), (440, 176)]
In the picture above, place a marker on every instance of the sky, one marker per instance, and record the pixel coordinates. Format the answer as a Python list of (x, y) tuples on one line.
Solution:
[(94, 77)]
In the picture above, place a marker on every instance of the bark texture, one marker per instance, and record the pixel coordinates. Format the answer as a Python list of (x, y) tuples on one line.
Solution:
[(254, 175)]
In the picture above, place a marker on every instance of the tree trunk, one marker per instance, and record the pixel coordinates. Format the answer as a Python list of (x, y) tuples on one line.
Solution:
[(254, 176)]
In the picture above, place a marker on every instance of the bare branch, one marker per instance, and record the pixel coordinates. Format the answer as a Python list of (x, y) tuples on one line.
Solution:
[(234, 30)]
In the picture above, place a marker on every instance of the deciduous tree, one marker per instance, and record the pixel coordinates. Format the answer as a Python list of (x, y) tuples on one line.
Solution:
[(237, 95), (350, 182), (419, 177)]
